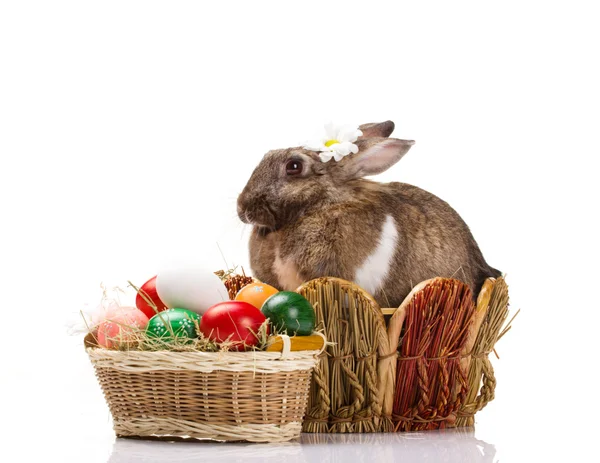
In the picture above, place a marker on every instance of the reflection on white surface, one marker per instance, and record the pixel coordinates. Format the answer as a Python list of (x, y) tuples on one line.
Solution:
[(455, 445)]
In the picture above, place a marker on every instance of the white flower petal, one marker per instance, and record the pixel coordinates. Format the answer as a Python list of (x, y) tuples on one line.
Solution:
[(341, 152), (331, 131), (344, 148), (353, 136), (347, 133), (325, 157), (314, 145), (353, 148)]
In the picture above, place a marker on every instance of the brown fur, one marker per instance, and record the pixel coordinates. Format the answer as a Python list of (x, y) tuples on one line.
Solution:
[(326, 221)]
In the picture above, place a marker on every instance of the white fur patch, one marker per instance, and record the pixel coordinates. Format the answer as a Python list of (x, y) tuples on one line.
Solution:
[(371, 275), (286, 273)]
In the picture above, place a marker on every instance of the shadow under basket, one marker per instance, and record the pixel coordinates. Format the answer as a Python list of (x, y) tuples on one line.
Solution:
[(222, 396)]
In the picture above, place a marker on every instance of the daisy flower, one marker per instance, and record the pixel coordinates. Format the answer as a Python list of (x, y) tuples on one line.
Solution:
[(336, 142)]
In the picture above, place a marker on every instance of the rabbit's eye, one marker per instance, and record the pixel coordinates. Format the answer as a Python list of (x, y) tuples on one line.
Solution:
[(293, 168)]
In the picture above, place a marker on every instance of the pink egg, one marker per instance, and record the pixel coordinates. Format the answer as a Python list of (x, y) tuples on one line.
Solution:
[(119, 326)]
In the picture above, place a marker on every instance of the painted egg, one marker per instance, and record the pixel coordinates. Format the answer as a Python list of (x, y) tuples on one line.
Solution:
[(290, 312), (120, 326), (192, 288), (148, 293), (173, 323), (234, 322), (256, 294)]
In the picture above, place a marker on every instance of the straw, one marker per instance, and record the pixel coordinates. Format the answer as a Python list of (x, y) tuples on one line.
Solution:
[(481, 378), (345, 395), (428, 372)]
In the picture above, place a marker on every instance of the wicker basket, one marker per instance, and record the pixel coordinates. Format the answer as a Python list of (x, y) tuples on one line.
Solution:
[(222, 396)]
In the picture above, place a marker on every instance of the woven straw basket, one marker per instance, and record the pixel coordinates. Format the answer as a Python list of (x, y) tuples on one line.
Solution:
[(421, 366), (223, 396)]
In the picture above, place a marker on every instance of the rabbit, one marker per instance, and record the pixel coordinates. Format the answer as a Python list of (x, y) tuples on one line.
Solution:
[(312, 219)]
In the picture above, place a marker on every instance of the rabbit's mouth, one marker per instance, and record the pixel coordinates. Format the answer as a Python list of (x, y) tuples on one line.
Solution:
[(262, 218)]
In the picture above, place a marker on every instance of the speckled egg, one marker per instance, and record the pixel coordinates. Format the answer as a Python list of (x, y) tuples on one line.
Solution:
[(173, 323)]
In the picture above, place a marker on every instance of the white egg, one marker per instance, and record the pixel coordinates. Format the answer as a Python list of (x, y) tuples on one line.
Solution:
[(194, 288)]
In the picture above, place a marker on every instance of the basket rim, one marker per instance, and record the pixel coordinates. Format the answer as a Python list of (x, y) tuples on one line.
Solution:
[(134, 361), (98, 352), (202, 362), (342, 282), (92, 347), (374, 305)]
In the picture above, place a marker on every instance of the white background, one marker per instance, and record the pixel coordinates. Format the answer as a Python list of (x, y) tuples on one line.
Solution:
[(128, 128)]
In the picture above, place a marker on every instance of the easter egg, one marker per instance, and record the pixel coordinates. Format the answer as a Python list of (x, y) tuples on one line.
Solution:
[(290, 312), (173, 323), (148, 292), (255, 294), (234, 322), (119, 327), (190, 287)]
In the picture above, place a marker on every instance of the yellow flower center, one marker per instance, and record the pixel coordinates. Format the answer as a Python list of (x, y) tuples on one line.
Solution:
[(329, 143)]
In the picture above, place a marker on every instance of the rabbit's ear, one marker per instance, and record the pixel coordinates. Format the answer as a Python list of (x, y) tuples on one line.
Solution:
[(375, 156), (377, 129)]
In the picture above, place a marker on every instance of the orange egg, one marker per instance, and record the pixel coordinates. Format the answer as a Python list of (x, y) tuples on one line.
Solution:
[(255, 294)]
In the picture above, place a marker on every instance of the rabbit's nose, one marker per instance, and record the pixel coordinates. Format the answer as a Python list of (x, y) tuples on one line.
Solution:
[(242, 214), (240, 202)]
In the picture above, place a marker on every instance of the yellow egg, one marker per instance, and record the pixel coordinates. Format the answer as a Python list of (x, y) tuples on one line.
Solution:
[(255, 294)]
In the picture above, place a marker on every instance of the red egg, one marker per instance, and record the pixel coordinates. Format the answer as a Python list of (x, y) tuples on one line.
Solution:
[(149, 290), (119, 327), (233, 322)]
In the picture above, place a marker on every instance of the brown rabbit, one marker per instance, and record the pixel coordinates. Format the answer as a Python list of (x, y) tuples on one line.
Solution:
[(312, 218)]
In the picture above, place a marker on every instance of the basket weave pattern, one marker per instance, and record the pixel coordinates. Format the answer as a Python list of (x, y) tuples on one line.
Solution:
[(431, 383), (228, 396), (373, 380), (346, 394)]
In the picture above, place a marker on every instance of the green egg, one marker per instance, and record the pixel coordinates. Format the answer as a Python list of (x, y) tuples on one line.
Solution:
[(173, 323), (290, 312)]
